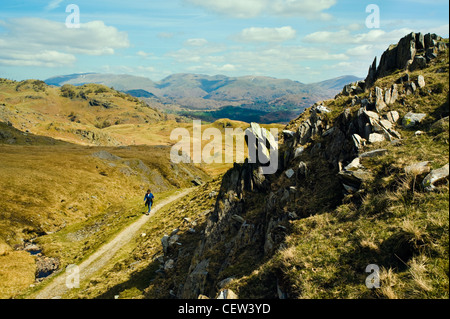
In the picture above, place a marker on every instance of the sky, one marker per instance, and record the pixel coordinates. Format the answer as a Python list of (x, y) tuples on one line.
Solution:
[(303, 40)]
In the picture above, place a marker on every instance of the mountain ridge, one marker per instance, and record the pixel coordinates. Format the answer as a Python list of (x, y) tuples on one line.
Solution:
[(207, 93)]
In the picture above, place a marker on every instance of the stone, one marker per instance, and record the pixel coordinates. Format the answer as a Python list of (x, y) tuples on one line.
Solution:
[(371, 115), (387, 96), (394, 93), (298, 151), (289, 173), (328, 132), (410, 88), (169, 264), (418, 63), (420, 81), (435, 176), (374, 153), (165, 243), (379, 99), (386, 124), (354, 178), (227, 294), (418, 168), (376, 137), (412, 119), (358, 141), (288, 134), (349, 189), (322, 109), (392, 116), (302, 169), (353, 165), (440, 125)]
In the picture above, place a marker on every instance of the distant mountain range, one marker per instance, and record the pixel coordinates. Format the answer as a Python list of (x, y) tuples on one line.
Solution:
[(204, 96)]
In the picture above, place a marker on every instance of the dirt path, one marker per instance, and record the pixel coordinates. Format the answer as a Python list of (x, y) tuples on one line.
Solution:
[(100, 258)]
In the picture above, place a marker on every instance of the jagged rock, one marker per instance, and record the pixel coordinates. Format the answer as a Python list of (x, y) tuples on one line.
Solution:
[(196, 280), (418, 63), (225, 282), (410, 88), (322, 109), (227, 294), (302, 169), (386, 124), (354, 178), (435, 176), (165, 243), (407, 54), (374, 153), (288, 134), (418, 168), (379, 99), (261, 141), (392, 116), (353, 165), (358, 141), (173, 239), (298, 151), (371, 115), (420, 81), (375, 138), (412, 119), (440, 125), (328, 132)]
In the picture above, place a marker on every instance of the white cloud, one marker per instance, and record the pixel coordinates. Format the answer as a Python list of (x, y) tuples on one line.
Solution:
[(311, 9), (34, 41), (196, 42), (254, 34), (53, 4)]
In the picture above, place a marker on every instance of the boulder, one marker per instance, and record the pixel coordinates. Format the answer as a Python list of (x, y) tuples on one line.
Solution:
[(418, 63), (434, 177), (412, 119), (354, 178), (420, 81), (298, 151), (440, 125), (376, 137), (374, 153), (392, 116), (418, 168), (353, 165), (379, 99), (358, 141)]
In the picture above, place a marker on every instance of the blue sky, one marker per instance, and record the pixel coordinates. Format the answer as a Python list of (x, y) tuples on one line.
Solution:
[(303, 40)]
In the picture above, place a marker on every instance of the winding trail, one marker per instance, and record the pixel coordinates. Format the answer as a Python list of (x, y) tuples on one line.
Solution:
[(101, 257)]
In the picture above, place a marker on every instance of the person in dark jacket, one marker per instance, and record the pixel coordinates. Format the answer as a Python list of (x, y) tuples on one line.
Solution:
[(148, 199)]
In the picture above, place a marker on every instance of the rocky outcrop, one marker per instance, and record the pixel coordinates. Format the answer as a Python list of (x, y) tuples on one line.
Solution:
[(412, 52)]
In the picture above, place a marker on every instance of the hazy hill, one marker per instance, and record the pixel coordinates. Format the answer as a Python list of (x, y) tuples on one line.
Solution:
[(206, 93)]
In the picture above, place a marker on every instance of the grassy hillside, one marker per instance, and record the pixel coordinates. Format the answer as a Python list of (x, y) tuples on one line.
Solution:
[(70, 199), (326, 236)]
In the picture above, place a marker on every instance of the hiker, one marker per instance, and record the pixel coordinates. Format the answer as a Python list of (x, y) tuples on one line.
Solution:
[(148, 199)]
